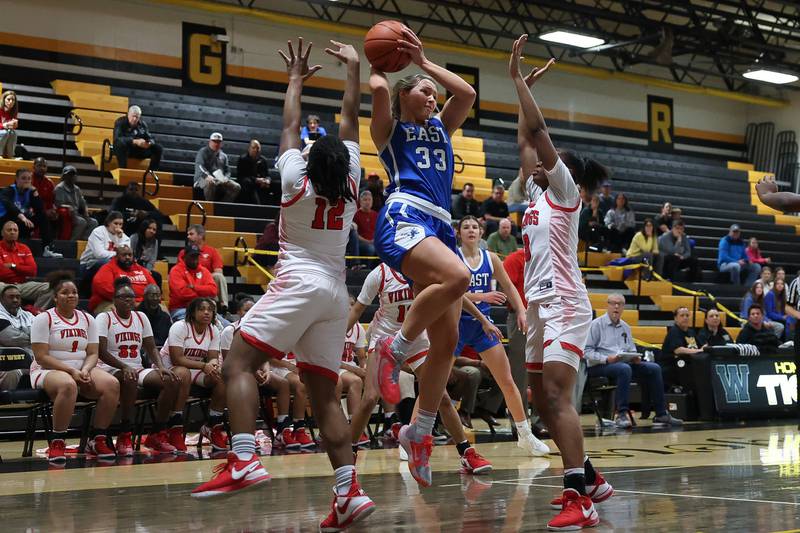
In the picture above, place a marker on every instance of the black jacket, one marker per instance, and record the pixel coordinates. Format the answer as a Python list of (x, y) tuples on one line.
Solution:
[(123, 133), (247, 167), (764, 339), (160, 323)]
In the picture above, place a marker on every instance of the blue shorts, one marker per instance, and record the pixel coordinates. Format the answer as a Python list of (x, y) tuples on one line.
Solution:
[(400, 227), (470, 333)]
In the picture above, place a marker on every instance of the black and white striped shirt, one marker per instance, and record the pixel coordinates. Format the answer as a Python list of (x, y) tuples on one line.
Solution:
[(793, 293)]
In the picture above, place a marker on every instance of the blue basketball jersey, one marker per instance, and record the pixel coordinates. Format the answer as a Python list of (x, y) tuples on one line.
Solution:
[(480, 280), (419, 161)]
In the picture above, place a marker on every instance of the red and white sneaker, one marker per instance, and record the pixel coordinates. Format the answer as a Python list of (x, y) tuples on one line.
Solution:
[(578, 512), (347, 510), (286, 439), (388, 372), (177, 439), (159, 442), (56, 452), (599, 492), (419, 454), (98, 447), (396, 430), (124, 445), (216, 435), (474, 463), (233, 475), (363, 440), (302, 438)]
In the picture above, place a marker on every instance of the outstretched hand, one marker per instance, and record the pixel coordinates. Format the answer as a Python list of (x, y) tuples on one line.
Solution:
[(412, 45), (515, 61), (297, 65), (343, 52), (767, 185)]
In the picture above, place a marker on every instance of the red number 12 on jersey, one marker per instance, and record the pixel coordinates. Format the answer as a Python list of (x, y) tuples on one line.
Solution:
[(333, 220)]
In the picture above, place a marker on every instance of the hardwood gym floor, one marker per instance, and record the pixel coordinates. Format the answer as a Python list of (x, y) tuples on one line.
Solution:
[(703, 478)]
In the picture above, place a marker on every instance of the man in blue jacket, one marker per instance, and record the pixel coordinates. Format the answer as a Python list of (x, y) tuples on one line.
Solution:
[(732, 258)]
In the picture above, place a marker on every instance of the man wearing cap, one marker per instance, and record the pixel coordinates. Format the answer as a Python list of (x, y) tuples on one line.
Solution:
[(123, 265), (211, 171), (133, 139), (732, 258), (188, 280), (68, 196)]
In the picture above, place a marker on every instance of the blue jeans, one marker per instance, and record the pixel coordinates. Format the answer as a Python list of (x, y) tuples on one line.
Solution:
[(645, 373), (751, 270)]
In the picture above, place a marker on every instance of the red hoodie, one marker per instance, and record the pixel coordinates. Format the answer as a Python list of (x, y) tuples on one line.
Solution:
[(180, 277), (103, 282), (21, 256)]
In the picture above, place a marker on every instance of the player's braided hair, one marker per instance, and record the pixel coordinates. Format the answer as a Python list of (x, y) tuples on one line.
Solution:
[(328, 169), (586, 172)]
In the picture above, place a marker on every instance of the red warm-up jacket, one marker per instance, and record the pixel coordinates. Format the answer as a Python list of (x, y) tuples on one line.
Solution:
[(103, 282), (180, 279)]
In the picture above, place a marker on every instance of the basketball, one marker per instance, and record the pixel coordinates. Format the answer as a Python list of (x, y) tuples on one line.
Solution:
[(380, 46)]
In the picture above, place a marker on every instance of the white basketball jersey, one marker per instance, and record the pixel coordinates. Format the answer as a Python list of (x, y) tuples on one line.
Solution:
[(550, 238), (124, 337), (395, 299), (226, 337), (195, 345), (356, 339), (312, 233), (67, 339)]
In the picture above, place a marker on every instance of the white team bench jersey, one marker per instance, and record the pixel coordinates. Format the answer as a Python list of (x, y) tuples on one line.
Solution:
[(124, 337), (395, 296), (195, 345)]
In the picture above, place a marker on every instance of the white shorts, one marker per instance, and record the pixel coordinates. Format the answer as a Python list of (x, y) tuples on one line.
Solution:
[(140, 372), (419, 349), (305, 313), (279, 371), (407, 384), (38, 375), (343, 370), (557, 331), (199, 378)]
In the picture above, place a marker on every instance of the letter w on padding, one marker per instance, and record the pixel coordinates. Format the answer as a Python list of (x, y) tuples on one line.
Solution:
[(734, 380)]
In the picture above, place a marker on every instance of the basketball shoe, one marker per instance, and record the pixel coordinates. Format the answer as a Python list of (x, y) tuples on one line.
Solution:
[(98, 447), (474, 463), (578, 512), (363, 440), (388, 372), (303, 439), (346, 510), (599, 492), (124, 445), (56, 452), (419, 454), (232, 476), (286, 439), (216, 435), (177, 439), (528, 442), (159, 442)]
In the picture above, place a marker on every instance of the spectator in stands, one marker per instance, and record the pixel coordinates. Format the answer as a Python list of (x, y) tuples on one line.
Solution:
[(755, 332), (21, 203), (466, 204), (188, 280), (713, 333), (375, 186), (159, 319), (144, 244), (312, 131), (780, 273), (102, 246), (132, 138), (775, 308), (252, 173), (269, 241), (517, 196), (679, 344), (620, 222), (123, 265), (675, 253), (136, 208), (591, 228), (46, 189), (17, 265), (365, 220), (15, 331), (663, 220), (69, 198), (644, 246), (609, 352), (732, 258), (494, 209), (9, 122), (754, 253), (211, 260), (755, 296), (766, 278), (501, 241), (606, 198), (211, 171)]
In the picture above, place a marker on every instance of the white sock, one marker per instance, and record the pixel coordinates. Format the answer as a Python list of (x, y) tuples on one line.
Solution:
[(244, 445), (523, 428), (281, 418), (214, 412), (344, 478), (571, 471), (400, 346)]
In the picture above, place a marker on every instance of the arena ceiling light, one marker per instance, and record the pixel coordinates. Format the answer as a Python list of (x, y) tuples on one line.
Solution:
[(569, 38), (770, 76)]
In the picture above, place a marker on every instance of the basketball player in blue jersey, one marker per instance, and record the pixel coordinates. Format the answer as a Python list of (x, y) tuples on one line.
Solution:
[(484, 267), (413, 233)]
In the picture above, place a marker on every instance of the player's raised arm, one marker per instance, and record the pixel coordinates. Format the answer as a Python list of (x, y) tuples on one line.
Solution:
[(380, 126), (351, 103), (534, 121), (298, 70), (457, 107)]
